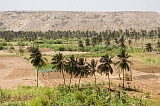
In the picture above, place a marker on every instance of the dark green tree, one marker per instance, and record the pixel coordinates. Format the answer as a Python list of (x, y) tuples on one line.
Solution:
[(122, 41), (158, 46), (148, 47), (105, 66), (80, 44), (123, 63), (83, 70), (58, 63), (93, 65), (71, 67), (37, 60), (87, 42)]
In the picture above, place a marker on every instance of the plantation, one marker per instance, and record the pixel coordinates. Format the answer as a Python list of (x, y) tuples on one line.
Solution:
[(115, 68)]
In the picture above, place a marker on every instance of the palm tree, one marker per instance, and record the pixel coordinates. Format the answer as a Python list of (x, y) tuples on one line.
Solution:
[(122, 40), (71, 67), (37, 60), (129, 42), (94, 40), (82, 69), (93, 65), (105, 66), (123, 64), (87, 42), (148, 47), (80, 44), (58, 64), (158, 46)]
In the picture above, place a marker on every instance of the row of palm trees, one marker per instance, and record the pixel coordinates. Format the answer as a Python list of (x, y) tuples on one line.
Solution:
[(79, 67), (103, 35)]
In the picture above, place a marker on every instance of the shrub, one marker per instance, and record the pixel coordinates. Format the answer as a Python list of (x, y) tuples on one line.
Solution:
[(4, 43), (39, 42), (61, 48), (10, 44), (40, 101), (127, 77), (20, 44), (1, 47), (147, 95), (58, 41), (12, 48)]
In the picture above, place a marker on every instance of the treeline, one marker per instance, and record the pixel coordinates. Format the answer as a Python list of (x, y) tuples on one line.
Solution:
[(108, 34)]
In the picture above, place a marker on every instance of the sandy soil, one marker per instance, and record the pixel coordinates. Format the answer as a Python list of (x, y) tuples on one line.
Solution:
[(16, 71), (146, 82)]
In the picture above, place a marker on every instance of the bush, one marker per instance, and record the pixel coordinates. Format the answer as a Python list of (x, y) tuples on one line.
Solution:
[(39, 42), (10, 44), (61, 48), (4, 43), (1, 47), (39, 101), (20, 44), (58, 41), (12, 48), (127, 77)]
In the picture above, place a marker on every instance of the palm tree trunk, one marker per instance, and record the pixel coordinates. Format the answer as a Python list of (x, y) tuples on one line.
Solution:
[(109, 83), (70, 81), (64, 79), (95, 78), (119, 75), (123, 79), (79, 81), (131, 75), (37, 77)]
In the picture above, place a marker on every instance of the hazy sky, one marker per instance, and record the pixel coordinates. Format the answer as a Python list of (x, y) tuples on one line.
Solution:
[(81, 5)]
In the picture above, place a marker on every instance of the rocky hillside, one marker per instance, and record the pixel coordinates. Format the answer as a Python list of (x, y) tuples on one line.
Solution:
[(58, 20)]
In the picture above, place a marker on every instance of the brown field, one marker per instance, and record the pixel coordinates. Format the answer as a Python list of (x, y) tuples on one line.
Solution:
[(15, 71)]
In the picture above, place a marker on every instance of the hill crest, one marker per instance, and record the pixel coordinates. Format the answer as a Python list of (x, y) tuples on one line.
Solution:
[(73, 20)]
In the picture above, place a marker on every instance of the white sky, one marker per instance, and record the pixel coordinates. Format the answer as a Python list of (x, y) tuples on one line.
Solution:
[(81, 5)]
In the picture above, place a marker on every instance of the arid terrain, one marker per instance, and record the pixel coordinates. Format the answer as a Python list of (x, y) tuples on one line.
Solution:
[(93, 21)]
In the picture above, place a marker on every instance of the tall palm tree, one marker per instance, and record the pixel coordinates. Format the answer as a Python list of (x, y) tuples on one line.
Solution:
[(58, 64), (82, 69), (124, 63), (71, 67), (37, 60), (93, 65), (105, 66)]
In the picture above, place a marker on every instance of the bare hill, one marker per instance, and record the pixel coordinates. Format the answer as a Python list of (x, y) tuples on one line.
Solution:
[(58, 20)]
